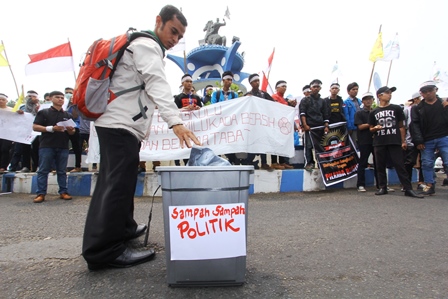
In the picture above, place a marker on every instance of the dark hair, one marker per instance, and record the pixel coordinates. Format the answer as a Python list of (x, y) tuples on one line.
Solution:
[(169, 11), (305, 87), (32, 91), (351, 85), (69, 88), (56, 93), (47, 94), (186, 75), (315, 81), (227, 73)]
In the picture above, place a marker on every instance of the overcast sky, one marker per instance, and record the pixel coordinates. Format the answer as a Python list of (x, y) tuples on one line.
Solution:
[(309, 37)]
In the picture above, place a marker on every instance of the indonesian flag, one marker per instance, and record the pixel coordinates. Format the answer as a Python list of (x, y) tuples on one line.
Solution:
[(264, 83), (57, 59)]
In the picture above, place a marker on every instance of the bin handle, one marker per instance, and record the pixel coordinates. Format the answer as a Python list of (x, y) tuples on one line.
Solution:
[(207, 189)]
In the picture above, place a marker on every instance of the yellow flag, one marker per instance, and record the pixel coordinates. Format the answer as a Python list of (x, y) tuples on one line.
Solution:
[(19, 102), (377, 50), (3, 61)]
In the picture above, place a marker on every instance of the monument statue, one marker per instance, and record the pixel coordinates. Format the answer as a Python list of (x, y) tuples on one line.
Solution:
[(211, 36)]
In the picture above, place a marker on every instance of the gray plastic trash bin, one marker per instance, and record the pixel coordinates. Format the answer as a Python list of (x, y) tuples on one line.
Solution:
[(205, 220)]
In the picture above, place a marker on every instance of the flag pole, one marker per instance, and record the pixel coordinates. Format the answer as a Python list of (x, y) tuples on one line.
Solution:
[(74, 73), (337, 78), (388, 73), (267, 78), (373, 67), (10, 69)]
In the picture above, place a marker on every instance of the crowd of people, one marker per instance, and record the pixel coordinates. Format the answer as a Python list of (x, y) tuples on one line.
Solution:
[(49, 151), (391, 134)]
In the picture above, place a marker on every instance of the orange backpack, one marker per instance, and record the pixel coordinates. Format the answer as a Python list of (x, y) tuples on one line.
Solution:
[(92, 93)]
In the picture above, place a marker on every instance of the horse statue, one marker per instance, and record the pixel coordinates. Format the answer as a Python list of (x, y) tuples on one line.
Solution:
[(211, 36)]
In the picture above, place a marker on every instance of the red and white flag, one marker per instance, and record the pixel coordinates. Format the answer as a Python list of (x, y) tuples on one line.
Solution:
[(264, 82), (57, 59)]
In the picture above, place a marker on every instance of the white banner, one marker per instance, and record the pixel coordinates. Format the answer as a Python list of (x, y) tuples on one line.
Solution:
[(243, 125), (17, 127), (204, 232)]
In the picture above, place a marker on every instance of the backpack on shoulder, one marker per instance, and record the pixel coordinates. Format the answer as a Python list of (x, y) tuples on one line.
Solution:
[(92, 93)]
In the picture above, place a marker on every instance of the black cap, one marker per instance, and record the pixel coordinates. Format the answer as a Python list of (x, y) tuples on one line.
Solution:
[(384, 89)]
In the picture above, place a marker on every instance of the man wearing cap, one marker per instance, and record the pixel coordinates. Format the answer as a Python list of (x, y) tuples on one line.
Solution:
[(411, 152), (386, 124), (226, 93), (336, 104), (352, 105), (254, 81), (314, 112), (365, 140), (279, 97), (430, 131)]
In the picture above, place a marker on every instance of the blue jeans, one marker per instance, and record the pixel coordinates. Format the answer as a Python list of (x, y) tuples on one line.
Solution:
[(47, 158), (428, 156)]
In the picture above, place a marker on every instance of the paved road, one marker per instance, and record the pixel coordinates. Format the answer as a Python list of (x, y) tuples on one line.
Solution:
[(328, 244)]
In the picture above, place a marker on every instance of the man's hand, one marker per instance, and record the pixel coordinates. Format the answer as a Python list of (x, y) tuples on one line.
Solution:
[(421, 147), (58, 128), (185, 136), (306, 128), (404, 146), (70, 130)]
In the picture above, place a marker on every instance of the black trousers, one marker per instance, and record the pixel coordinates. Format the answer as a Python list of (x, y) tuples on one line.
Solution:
[(396, 156), (110, 219), (364, 152), (75, 140), (410, 158), (5, 149)]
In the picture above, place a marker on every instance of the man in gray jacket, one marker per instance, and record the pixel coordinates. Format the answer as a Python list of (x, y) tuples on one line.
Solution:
[(110, 222)]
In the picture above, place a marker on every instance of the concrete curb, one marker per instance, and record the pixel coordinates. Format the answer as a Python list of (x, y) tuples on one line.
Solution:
[(293, 180)]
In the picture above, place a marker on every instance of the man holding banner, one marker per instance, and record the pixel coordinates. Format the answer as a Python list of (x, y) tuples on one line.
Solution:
[(314, 112), (386, 124)]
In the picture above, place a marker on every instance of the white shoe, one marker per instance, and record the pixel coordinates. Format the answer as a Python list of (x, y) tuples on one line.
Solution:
[(390, 189), (361, 189)]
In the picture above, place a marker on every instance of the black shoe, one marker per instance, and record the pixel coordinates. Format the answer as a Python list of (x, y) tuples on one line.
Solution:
[(445, 182), (141, 228), (428, 190), (412, 193), (382, 191), (127, 259)]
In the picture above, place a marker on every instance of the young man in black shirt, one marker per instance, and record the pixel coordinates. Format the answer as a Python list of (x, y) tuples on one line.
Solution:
[(430, 131), (386, 124), (314, 112), (53, 146), (365, 140), (336, 104)]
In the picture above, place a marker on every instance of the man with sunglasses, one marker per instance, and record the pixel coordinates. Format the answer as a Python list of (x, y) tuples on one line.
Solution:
[(430, 131)]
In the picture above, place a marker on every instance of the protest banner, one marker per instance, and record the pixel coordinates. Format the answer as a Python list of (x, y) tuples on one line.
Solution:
[(202, 232), (335, 153), (17, 127), (243, 125)]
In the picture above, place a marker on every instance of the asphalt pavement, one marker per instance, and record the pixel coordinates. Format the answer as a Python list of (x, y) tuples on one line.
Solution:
[(328, 244)]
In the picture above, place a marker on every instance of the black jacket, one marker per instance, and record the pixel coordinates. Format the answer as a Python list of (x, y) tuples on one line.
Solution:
[(315, 109), (419, 122)]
